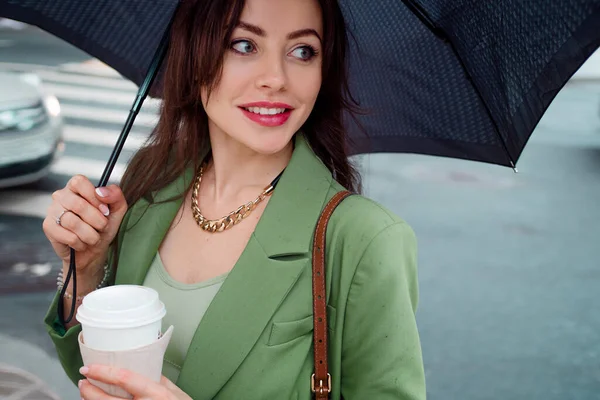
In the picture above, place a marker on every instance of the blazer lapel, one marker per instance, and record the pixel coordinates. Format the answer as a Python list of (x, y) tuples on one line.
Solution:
[(148, 225), (276, 254), (235, 319)]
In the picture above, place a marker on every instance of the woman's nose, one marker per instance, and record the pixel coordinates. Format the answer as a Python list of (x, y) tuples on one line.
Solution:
[(272, 74)]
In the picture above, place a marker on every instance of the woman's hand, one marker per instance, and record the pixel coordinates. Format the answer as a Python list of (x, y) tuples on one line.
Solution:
[(140, 387), (89, 221)]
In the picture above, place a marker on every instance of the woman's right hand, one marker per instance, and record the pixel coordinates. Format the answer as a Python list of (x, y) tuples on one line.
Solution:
[(89, 226)]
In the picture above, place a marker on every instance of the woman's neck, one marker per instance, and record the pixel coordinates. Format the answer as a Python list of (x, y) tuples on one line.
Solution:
[(234, 168)]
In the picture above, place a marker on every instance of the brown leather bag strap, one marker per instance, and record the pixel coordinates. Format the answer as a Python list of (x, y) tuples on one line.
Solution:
[(320, 381)]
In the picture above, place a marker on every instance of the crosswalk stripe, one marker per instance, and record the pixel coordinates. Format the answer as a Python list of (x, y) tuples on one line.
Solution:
[(101, 137), (84, 80), (96, 95), (91, 67), (92, 169), (104, 115), (25, 67), (25, 202), (61, 74)]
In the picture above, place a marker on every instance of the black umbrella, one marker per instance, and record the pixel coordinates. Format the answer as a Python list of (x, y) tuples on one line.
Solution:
[(466, 79)]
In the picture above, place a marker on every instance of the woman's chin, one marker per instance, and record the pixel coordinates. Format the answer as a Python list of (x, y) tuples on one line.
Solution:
[(269, 149), (270, 143)]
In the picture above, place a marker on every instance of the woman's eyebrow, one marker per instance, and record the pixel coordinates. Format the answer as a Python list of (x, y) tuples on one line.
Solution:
[(257, 30), (303, 32)]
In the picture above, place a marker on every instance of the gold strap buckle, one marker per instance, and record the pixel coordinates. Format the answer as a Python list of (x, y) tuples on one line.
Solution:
[(320, 388)]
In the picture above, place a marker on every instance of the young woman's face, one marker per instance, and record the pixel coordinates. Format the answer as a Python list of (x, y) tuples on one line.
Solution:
[(271, 74)]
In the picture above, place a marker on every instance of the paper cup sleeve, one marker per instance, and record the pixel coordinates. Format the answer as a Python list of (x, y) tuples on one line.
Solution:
[(146, 360)]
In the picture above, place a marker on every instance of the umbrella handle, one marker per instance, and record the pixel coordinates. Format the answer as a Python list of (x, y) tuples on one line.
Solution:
[(143, 90), (72, 270)]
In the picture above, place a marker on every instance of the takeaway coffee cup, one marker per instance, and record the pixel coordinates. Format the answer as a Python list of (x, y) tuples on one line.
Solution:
[(121, 317)]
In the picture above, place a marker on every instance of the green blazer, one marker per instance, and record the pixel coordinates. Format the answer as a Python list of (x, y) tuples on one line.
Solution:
[(255, 340)]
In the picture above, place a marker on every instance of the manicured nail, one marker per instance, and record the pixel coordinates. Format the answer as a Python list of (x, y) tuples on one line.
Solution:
[(104, 209), (84, 370), (102, 191)]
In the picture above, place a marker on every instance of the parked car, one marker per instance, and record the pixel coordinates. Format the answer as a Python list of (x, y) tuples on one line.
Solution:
[(31, 129)]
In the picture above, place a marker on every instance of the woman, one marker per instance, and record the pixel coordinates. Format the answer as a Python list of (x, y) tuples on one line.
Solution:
[(253, 89)]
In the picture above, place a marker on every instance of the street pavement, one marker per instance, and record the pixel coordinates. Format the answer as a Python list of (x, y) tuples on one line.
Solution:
[(508, 263)]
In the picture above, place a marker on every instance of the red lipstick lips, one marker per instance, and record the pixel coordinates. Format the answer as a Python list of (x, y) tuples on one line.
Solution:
[(277, 113)]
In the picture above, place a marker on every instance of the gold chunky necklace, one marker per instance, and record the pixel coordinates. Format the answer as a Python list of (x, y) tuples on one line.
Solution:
[(234, 217)]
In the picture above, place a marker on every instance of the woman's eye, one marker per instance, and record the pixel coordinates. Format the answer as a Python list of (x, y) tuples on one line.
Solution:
[(304, 53), (243, 46)]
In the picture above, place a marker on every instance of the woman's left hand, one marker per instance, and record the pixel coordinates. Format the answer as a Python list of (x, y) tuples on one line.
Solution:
[(140, 387)]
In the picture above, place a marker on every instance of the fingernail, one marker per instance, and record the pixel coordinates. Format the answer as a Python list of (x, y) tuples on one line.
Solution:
[(79, 383), (102, 191), (104, 209), (84, 370)]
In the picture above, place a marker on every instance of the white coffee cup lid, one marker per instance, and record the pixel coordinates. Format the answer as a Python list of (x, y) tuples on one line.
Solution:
[(121, 306)]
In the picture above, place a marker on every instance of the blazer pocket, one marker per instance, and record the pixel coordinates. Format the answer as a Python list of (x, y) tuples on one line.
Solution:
[(284, 332)]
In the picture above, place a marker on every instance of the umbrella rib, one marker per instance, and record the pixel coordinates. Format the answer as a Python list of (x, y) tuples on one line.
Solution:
[(419, 11), (485, 106)]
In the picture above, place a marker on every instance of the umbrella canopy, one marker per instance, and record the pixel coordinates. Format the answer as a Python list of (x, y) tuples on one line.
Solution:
[(459, 78), (467, 79)]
